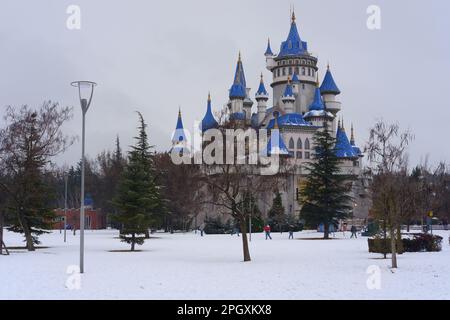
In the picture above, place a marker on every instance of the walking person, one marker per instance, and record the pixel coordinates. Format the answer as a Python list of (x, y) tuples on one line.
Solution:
[(267, 231), (291, 232), (344, 229), (353, 230)]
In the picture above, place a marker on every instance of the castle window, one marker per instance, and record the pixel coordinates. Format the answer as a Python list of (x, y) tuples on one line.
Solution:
[(290, 70), (299, 144), (313, 72), (303, 71), (307, 155), (297, 70), (291, 144), (309, 71), (307, 146), (284, 71), (299, 155), (278, 72)]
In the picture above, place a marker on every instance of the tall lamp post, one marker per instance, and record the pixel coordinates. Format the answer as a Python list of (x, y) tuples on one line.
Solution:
[(85, 93)]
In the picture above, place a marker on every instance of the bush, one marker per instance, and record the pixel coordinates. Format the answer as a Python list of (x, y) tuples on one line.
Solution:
[(423, 242), (383, 246), (215, 226)]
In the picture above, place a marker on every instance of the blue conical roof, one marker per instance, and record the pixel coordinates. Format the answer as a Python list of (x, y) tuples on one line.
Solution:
[(238, 90), (328, 84), (269, 49), (295, 78), (343, 148), (209, 122), (179, 134), (317, 103), (262, 89), (276, 145), (293, 44), (289, 91)]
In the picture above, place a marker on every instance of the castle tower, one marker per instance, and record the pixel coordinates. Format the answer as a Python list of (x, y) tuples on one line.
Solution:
[(238, 93), (261, 98), (329, 91), (288, 98), (293, 59)]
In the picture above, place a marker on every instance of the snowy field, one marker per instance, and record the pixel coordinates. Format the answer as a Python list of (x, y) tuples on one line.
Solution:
[(187, 266)]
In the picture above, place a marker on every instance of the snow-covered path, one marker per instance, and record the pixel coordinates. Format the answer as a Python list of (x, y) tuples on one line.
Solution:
[(187, 266)]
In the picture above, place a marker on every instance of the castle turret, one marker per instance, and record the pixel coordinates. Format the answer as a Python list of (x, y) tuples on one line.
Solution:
[(208, 122), (329, 91), (288, 98), (317, 113), (179, 141), (238, 93), (261, 97), (270, 62)]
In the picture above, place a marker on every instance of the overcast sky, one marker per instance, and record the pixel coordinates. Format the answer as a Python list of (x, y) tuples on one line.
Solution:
[(154, 56)]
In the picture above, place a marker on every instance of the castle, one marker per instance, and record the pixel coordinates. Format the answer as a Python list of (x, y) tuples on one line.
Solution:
[(300, 106)]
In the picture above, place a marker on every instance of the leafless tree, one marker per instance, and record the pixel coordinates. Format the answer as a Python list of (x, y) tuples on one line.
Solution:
[(387, 153)]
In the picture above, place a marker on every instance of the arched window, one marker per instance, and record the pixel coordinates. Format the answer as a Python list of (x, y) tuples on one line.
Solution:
[(299, 144), (290, 70), (307, 146), (309, 71), (297, 70), (284, 71), (291, 144), (303, 71), (313, 72)]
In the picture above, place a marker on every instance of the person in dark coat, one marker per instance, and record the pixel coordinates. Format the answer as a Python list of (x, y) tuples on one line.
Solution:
[(291, 231), (353, 231)]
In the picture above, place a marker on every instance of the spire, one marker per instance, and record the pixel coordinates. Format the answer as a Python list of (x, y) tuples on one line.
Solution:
[(276, 146), (288, 92), (208, 121), (179, 135), (238, 89), (343, 147), (262, 92), (352, 137), (295, 78), (317, 104), (180, 120), (293, 46), (269, 49), (328, 84)]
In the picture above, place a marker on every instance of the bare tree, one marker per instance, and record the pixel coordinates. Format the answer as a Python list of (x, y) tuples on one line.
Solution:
[(387, 153)]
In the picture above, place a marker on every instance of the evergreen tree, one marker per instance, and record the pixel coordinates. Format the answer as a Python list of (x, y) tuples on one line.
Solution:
[(324, 195), (276, 213), (138, 200)]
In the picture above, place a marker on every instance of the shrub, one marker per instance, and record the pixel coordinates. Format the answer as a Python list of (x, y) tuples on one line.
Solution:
[(383, 246), (423, 242)]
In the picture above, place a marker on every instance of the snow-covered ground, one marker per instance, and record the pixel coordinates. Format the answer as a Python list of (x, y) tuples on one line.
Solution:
[(187, 266)]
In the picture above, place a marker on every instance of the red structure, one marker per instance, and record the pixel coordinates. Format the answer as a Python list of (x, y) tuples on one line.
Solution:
[(95, 219)]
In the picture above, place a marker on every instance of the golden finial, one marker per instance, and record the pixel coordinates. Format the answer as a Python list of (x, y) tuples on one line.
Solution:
[(293, 14), (239, 56), (339, 123), (179, 111), (275, 125), (262, 80), (318, 81), (209, 96), (343, 125), (328, 65), (289, 79)]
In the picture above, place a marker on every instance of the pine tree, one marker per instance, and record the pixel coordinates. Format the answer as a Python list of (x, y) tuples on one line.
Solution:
[(138, 200), (276, 213), (324, 195)]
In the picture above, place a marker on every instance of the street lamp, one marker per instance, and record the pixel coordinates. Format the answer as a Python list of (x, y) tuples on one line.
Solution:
[(85, 93)]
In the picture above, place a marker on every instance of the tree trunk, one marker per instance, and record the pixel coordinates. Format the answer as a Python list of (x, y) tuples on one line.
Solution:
[(26, 230), (326, 230), (385, 238), (133, 241), (393, 248), (245, 241)]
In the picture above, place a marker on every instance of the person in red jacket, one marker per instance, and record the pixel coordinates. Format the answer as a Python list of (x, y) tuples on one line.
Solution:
[(267, 231)]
